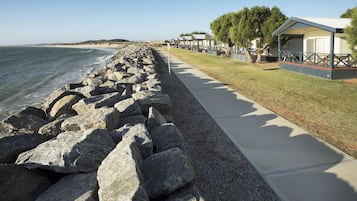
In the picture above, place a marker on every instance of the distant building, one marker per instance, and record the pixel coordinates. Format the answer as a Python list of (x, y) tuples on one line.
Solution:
[(316, 46)]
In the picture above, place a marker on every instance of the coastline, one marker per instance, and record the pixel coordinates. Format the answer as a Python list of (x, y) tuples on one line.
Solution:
[(54, 74), (116, 46)]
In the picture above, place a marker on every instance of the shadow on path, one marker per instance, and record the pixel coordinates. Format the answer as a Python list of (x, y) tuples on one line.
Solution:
[(297, 165)]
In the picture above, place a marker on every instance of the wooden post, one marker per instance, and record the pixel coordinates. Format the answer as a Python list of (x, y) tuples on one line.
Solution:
[(279, 44), (168, 58), (332, 47)]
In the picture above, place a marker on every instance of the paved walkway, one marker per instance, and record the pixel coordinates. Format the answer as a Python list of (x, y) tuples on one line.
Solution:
[(295, 164)]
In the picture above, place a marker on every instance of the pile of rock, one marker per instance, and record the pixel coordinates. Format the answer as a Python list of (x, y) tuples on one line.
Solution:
[(108, 137)]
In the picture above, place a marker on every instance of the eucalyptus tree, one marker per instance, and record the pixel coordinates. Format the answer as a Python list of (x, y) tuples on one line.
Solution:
[(220, 27), (257, 23), (351, 35)]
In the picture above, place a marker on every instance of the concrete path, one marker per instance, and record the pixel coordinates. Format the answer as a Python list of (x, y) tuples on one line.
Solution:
[(297, 165)]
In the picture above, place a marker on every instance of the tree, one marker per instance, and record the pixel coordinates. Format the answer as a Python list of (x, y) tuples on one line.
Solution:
[(275, 20), (351, 34), (348, 13), (256, 23), (220, 28), (241, 34)]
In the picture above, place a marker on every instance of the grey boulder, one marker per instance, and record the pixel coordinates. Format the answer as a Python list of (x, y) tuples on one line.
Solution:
[(167, 171), (104, 118), (119, 175), (70, 152), (79, 187), (19, 183)]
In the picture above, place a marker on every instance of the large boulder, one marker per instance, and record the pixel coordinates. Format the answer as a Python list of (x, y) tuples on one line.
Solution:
[(105, 118), (128, 107), (70, 152), (54, 97), (30, 119), (53, 128), (79, 187), (119, 175), (87, 91), (155, 119), (189, 193), (19, 183), (92, 81), (140, 134), (12, 144), (133, 79), (159, 100), (167, 136), (167, 171), (64, 106), (103, 100), (135, 119)]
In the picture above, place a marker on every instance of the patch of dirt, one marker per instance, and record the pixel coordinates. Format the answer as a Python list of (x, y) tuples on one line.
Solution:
[(223, 173)]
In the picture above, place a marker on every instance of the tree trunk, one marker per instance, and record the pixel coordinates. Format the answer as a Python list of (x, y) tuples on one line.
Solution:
[(260, 52), (259, 56), (248, 55), (228, 51)]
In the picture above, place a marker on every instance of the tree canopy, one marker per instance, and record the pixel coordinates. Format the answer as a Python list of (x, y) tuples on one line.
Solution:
[(348, 13), (220, 28), (351, 33), (259, 22)]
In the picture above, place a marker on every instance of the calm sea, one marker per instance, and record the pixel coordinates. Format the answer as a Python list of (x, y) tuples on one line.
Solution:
[(29, 74)]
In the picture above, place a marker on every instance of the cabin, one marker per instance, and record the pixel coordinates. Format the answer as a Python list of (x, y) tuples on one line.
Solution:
[(202, 42), (316, 46)]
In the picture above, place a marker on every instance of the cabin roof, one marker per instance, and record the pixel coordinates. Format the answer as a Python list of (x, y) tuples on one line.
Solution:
[(336, 25)]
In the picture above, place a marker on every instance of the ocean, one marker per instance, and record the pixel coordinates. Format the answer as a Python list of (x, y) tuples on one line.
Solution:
[(29, 74)]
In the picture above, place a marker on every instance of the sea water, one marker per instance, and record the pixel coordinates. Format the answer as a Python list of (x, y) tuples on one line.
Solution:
[(29, 74)]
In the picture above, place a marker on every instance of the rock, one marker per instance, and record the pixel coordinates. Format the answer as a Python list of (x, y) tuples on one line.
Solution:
[(26, 120), (148, 61), (153, 85), (88, 104), (19, 183), (167, 171), (128, 107), (33, 111), (141, 135), (119, 176), (64, 106), (87, 91), (53, 128), (155, 119), (92, 81), (53, 98), (108, 100), (167, 136), (160, 101), (133, 79), (79, 187), (70, 152), (104, 90), (115, 75), (135, 119), (105, 118), (12, 144), (72, 86), (189, 193)]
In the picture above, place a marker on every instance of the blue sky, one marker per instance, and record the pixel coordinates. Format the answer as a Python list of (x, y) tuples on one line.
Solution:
[(49, 21)]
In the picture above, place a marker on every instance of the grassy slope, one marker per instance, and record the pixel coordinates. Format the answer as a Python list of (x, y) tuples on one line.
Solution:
[(324, 107)]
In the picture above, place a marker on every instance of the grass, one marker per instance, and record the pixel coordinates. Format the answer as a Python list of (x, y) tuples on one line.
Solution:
[(325, 108)]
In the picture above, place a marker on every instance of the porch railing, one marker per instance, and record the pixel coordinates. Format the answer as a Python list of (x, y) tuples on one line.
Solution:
[(317, 59)]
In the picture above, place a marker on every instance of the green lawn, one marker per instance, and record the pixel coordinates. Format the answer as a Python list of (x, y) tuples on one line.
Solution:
[(326, 108)]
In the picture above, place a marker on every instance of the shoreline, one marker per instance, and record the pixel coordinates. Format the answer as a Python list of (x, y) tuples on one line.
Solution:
[(111, 124), (38, 95)]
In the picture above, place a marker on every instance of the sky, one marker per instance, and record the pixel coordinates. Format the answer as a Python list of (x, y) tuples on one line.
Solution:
[(66, 21)]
